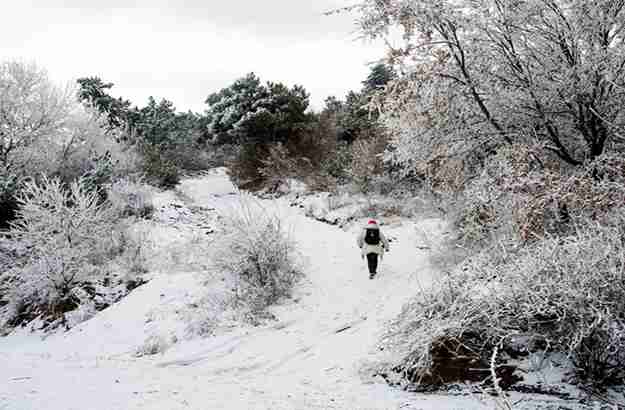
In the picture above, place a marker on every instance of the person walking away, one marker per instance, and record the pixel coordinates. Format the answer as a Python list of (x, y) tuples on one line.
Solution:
[(373, 244)]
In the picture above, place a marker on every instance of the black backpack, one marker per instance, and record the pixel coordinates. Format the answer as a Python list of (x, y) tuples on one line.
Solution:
[(372, 236)]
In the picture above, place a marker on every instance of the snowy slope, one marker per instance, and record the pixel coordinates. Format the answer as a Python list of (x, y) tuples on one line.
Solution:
[(312, 357)]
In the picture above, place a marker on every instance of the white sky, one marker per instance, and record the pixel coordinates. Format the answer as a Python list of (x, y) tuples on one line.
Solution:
[(185, 49)]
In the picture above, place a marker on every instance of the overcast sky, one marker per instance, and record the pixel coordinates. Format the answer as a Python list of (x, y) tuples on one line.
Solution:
[(185, 49)]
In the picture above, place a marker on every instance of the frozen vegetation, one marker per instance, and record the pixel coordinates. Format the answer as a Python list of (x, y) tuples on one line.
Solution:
[(186, 339), (156, 259), (189, 338)]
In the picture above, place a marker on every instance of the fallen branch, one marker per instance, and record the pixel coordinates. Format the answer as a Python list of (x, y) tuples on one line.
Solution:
[(342, 329), (350, 325)]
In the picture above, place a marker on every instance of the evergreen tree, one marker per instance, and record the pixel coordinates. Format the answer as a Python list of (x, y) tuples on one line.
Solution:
[(354, 117), (249, 111), (378, 77)]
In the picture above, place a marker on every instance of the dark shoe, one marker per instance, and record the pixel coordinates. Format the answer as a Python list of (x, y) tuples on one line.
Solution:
[(372, 275)]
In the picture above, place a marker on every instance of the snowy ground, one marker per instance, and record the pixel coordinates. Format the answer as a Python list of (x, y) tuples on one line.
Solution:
[(312, 357)]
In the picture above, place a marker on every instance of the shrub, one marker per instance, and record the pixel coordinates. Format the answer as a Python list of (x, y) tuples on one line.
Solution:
[(129, 198), (244, 169), (220, 155), (337, 161), (281, 165), (154, 344), (159, 170), (475, 222), (9, 183), (547, 269), (311, 154), (64, 231), (366, 162), (188, 156), (133, 246), (559, 292), (260, 255), (525, 199), (205, 314), (99, 173)]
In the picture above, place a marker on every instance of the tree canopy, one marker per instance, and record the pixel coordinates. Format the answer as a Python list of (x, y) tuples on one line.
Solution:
[(249, 111), (157, 123), (502, 71)]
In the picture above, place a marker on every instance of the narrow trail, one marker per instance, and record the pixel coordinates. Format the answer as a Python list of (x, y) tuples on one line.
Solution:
[(310, 358)]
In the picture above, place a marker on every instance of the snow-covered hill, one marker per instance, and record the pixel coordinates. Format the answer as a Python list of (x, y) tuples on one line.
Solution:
[(313, 356)]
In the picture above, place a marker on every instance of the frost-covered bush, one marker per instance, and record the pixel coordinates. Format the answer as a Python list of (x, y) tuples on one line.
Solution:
[(154, 344), (563, 293), (203, 325), (45, 131), (366, 162), (65, 231), (522, 199), (130, 198), (85, 309), (528, 162), (543, 260), (204, 316), (257, 250), (133, 245)]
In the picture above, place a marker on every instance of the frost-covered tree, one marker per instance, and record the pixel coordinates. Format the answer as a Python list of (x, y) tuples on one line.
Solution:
[(227, 107), (168, 140), (93, 92), (31, 107), (249, 111), (35, 120), (157, 123), (476, 74)]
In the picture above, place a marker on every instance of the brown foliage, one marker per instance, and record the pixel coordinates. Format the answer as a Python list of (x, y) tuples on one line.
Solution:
[(304, 156), (367, 161), (548, 268)]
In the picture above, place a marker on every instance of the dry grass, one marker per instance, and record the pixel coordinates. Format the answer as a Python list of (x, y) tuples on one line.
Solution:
[(543, 258), (130, 198), (563, 292)]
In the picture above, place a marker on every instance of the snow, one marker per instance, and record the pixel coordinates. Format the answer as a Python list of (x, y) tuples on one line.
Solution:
[(314, 356)]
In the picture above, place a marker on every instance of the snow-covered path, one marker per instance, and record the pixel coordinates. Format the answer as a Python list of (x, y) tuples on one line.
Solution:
[(311, 358)]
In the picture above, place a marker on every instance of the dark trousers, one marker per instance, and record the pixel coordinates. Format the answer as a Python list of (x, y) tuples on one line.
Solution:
[(372, 261)]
